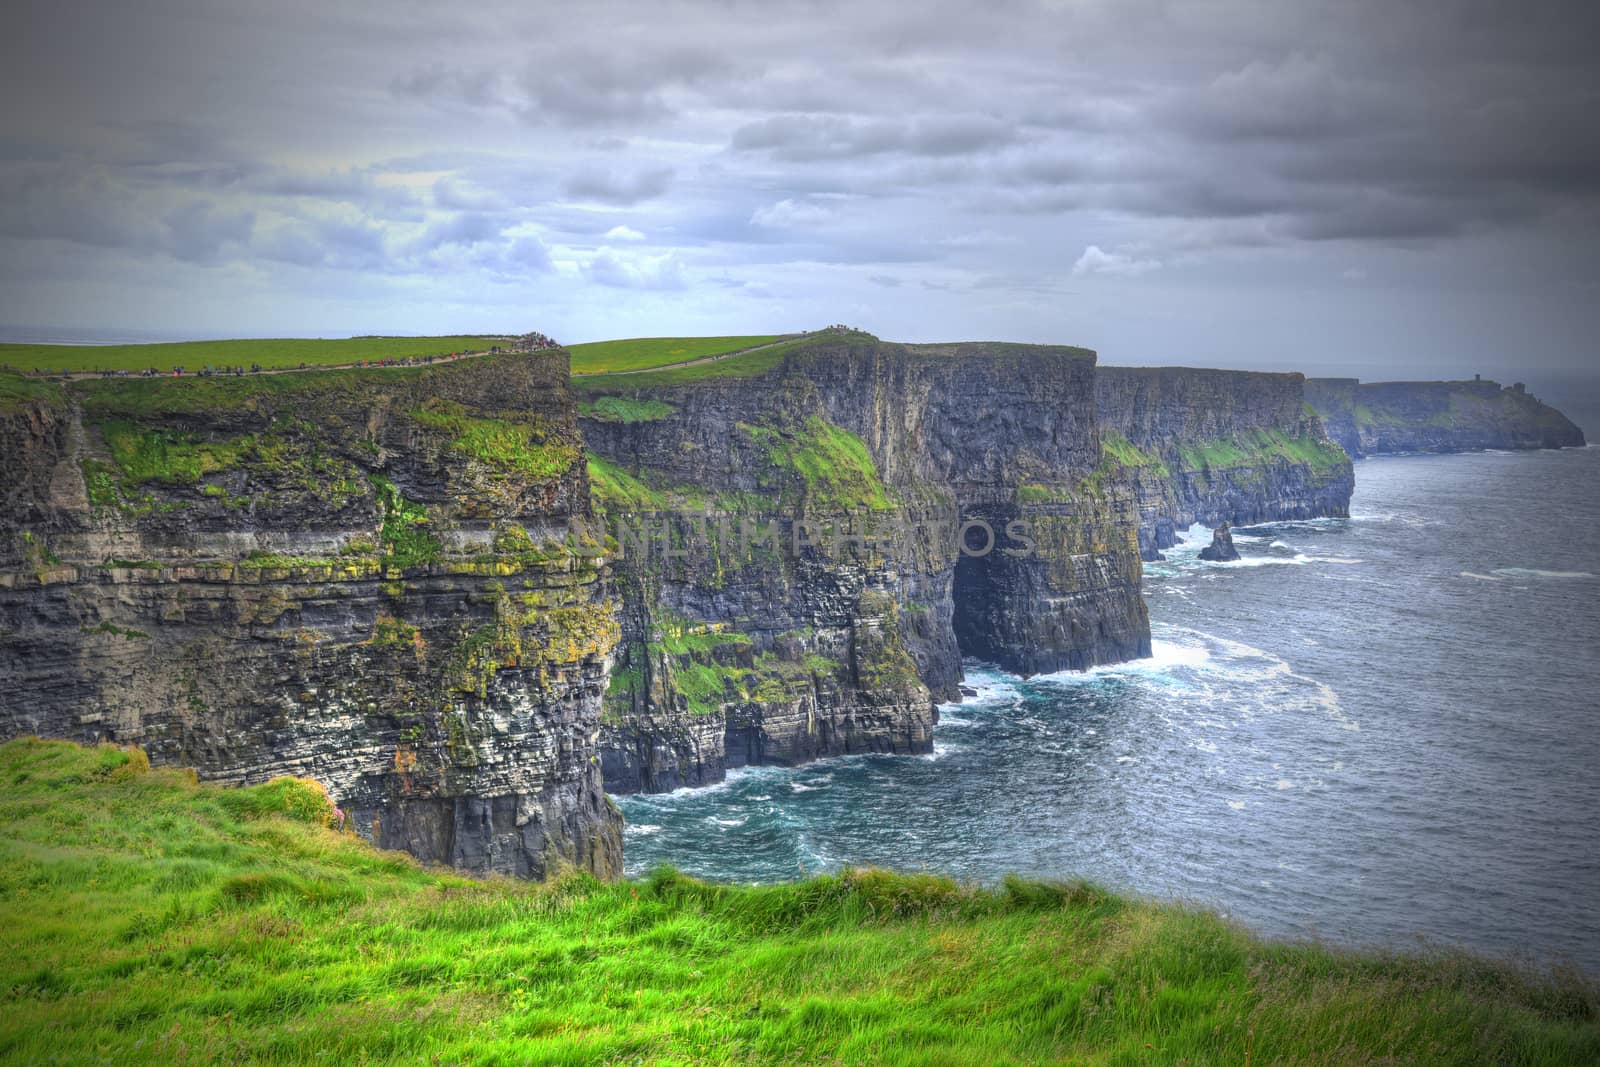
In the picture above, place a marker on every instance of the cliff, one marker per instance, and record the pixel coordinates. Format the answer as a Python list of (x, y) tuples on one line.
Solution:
[(1217, 446), (867, 458), (1464, 416), (417, 587), (361, 577)]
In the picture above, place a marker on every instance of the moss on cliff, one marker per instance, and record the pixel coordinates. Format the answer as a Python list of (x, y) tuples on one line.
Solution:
[(626, 409), (614, 489), (159, 455), (405, 538), (1115, 448), (833, 465), (532, 631), (525, 448), (1263, 447)]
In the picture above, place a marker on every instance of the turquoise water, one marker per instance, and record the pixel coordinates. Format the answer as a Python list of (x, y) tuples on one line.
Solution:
[(1371, 731)]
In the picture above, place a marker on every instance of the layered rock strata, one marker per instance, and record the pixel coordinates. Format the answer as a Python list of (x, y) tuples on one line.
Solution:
[(360, 577)]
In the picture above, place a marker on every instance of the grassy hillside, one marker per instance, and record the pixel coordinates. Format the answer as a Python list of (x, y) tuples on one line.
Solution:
[(641, 353), (144, 918), (270, 353)]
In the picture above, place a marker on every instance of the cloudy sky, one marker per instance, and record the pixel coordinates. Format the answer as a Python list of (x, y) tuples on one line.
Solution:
[(1377, 185)]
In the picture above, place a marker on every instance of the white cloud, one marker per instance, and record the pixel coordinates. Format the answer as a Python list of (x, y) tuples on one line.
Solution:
[(1097, 261), (789, 213), (624, 233), (636, 272)]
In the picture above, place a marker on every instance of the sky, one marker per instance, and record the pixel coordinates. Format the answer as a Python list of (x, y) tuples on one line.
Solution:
[(1377, 187)]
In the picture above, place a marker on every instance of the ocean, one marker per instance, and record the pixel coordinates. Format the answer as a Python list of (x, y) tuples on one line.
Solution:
[(1375, 731)]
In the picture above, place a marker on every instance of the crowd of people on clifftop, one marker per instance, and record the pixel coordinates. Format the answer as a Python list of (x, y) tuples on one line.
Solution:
[(533, 342)]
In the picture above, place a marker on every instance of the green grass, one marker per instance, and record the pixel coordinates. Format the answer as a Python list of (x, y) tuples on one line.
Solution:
[(614, 489), (269, 352), (405, 537), (17, 392), (624, 409), (147, 455), (1265, 446), (641, 353), (506, 447), (1119, 449), (746, 365), (833, 464), (144, 918)]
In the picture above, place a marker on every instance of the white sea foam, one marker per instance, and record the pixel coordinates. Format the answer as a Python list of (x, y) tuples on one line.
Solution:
[(1531, 572), (1299, 559), (641, 829), (1164, 656), (991, 687), (1246, 663), (1481, 577)]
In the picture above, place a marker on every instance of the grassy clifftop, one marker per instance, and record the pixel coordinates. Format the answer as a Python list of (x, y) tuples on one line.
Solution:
[(270, 353), (144, 918)]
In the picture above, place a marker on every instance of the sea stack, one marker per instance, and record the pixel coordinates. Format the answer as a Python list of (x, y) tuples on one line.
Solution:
[(1221, 549)]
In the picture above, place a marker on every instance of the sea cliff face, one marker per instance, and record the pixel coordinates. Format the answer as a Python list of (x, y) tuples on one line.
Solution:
[(1217, 446), (464, 596), (360, 577), (1464, 416), (777, 654)]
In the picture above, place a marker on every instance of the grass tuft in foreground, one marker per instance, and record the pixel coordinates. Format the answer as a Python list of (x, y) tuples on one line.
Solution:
[(145, 918)]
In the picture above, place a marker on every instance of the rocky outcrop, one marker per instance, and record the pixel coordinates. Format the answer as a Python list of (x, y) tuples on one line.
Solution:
[(869, 459), (1217, 446), (1221, 549), (361, 577), (1463, 416)]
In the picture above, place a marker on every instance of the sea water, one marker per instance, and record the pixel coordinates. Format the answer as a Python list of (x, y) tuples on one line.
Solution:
[(1375, 731)]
